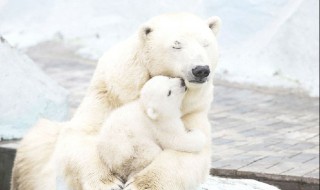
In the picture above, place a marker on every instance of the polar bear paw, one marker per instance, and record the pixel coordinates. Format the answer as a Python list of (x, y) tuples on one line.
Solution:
[(198, 139), (116, 184), (130, 185)]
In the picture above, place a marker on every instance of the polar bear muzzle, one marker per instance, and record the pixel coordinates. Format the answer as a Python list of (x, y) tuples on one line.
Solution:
[(200, 74)]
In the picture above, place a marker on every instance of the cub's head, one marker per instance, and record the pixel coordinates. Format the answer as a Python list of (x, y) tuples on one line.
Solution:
[(162, 96), (181, 45)]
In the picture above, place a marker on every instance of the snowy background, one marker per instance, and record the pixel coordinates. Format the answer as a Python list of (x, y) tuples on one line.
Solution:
[(26, 94), (270, 43)]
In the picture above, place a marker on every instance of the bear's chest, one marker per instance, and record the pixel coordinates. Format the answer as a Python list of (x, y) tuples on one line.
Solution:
[(197, 100)]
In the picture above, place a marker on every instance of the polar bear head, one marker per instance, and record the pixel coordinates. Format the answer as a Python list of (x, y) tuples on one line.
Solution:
[(162, 96), (181, 45)]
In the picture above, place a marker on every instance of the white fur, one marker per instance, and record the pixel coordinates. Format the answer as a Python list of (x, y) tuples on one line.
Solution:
[(119, 76), (131, 138)]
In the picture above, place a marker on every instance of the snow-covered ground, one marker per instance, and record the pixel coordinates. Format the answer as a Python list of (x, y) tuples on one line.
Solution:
[(217, 183), (273, 43), (26, 94)]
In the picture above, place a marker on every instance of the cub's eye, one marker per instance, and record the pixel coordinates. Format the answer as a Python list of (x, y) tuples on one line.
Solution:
[(169, 93), (176, 45)]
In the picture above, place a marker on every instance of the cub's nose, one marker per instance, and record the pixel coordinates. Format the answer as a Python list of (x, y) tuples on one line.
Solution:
[(201, 71), (182, 83)]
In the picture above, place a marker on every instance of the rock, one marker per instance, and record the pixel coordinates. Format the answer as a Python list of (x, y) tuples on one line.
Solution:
[(26, 94), (217, 183)]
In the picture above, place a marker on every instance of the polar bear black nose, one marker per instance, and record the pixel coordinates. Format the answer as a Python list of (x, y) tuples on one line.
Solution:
[(201, 71)]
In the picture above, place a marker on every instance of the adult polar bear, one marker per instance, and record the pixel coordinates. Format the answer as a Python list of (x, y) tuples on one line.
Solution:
[(178, 45)]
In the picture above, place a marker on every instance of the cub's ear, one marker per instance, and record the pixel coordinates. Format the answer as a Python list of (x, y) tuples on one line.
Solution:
[(145, 31), (152, 114), (214, 24)]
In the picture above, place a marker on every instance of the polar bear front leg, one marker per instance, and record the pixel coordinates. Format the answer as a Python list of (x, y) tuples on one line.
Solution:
[(90, 175), (172, 170), (100, 184), (99, 179), (177, 170), (78, 160)]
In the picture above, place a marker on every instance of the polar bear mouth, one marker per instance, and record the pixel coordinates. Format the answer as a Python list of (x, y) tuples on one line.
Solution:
[(199, 80)]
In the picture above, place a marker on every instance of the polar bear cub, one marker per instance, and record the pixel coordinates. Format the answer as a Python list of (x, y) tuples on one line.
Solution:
[(134, 134)]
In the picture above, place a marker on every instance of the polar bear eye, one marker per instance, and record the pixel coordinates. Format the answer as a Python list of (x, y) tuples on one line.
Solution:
[(177, 45), (169, 93)]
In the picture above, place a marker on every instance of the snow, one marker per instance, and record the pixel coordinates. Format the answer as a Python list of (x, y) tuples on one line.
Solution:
[(217, 183), (26, 94), (272, 43)]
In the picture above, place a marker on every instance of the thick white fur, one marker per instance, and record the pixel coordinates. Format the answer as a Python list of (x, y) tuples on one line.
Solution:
[(134, 134), (119, 76)]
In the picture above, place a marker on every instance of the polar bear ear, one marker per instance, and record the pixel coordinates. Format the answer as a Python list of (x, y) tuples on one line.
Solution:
[(214, 24), (145, 31), (152, 114)]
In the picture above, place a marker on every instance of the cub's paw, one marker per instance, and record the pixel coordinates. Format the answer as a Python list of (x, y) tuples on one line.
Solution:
[(198, 135), (199, 139)]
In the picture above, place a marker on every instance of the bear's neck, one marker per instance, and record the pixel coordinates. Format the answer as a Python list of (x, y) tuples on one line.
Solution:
[(117, 80), (198, 99)]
